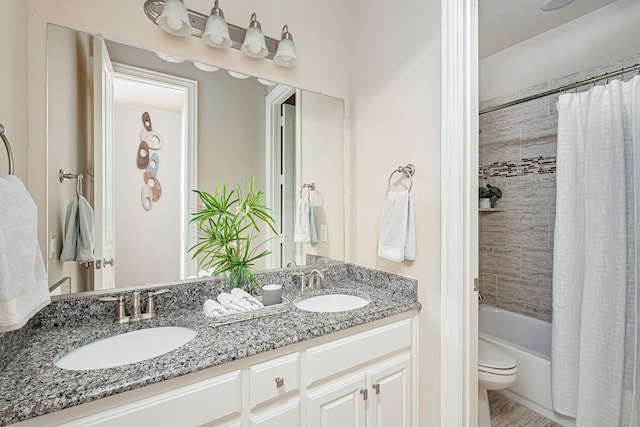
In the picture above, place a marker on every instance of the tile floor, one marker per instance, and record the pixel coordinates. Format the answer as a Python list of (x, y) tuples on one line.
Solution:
[(508, 413)]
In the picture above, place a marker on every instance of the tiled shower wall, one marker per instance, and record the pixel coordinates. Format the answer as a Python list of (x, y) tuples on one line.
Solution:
[(517, 154)]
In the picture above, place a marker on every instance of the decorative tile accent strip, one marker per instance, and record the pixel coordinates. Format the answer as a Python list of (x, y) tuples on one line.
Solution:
[(533, 165)]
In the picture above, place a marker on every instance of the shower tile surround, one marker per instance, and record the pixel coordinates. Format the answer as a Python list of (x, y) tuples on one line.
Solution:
[(517, 153), (32, 386)]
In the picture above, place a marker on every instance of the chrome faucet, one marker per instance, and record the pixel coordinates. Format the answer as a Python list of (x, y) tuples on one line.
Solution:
[(136, 312), (315, 279)]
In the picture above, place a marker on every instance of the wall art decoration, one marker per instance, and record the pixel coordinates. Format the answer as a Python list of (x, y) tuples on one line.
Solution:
[(149, 162)]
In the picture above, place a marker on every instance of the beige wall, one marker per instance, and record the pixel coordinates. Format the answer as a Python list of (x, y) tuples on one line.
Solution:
[(395, 120), (388, 74), (603, 36), (13, 84)]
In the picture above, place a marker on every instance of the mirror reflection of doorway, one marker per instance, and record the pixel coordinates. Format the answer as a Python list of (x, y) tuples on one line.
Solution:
[(159, 248), (283, 154)]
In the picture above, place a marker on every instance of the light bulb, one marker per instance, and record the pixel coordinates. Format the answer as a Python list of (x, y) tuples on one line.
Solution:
[(174, 23)]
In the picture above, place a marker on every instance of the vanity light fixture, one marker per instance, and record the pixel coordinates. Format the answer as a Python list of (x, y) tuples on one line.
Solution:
[(216, 33), (286, 53), (254, 44), (174, 18), (251, 41)]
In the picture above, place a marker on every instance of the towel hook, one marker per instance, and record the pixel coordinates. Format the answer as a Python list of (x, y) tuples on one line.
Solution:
[(7, 145), (407, 171), (310, 187)]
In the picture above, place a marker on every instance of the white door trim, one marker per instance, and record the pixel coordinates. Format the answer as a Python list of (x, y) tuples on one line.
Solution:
[(189, 179), (277, 96), (459, 238)]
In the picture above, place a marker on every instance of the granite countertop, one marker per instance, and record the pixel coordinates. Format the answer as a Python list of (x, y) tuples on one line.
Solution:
[(31, 385)]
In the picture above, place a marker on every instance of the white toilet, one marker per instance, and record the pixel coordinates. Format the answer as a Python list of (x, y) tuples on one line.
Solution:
[(497, 370)]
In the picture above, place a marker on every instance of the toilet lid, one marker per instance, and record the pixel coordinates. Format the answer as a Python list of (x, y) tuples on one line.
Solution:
[(490, 356)]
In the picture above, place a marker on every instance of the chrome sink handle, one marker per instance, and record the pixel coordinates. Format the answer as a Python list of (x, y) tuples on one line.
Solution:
[(121, 315), (151, 306), (303, 279)]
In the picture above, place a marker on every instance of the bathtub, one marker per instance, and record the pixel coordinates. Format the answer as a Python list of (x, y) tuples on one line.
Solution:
[(528, 340)]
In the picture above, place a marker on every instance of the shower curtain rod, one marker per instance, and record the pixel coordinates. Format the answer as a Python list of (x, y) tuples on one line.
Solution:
[(562, 89)]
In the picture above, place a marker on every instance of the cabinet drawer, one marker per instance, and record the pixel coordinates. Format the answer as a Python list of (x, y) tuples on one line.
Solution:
[(337, 356), (192, 405), (273, 378), (283, 415)]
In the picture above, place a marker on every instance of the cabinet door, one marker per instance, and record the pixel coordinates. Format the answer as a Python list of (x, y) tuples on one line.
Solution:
[(283, 415), (340, 403), (390, 390)]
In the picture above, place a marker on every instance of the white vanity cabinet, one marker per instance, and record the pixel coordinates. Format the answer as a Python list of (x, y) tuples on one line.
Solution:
[(362, 376), (369, 379)]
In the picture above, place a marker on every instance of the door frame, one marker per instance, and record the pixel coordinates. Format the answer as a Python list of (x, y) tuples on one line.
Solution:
[(459, 213), (189, 179), (274, 99)]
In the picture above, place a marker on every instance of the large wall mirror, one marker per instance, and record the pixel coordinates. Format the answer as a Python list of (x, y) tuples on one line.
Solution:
[(145, 129)]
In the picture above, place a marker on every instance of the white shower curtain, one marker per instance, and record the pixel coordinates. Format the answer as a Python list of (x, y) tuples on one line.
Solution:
[(594, 358)]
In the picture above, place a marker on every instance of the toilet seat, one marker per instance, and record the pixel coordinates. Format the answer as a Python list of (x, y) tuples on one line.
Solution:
[(493, 360)]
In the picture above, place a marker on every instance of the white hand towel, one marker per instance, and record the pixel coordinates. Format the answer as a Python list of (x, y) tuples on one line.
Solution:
[(227, 302), (86, 231), (237, 292), (23, 279), (396, 238), (70, 243), (213, 308), (305, 227)]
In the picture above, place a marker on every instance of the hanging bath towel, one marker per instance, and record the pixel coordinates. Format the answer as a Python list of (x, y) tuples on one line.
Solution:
[(86, 232), (23, 279), (396, 239), (305, 227), (70, 243)]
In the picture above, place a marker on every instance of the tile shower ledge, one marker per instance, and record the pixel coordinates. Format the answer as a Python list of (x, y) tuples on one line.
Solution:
[(32, 385)]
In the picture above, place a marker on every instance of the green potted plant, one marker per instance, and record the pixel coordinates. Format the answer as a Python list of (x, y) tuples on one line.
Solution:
[(228, 225), (489, 195)]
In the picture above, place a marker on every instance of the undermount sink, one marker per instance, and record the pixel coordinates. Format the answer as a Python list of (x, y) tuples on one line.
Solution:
[(122, 349), (331, 303)]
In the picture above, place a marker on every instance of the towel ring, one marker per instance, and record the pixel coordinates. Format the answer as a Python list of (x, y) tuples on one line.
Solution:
[(7, 145), (407, 171), (310, 187)]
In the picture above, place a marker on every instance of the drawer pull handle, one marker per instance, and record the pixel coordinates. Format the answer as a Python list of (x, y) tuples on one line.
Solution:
[(365, 393), (376, 387), (279, 382)]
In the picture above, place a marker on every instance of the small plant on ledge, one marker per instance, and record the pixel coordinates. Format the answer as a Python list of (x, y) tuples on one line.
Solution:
[(491, 192), (228, 225)]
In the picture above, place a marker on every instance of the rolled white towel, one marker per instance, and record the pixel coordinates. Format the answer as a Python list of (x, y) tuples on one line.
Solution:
[(227, 301), (239, 293), (203, 273), (213, 308)]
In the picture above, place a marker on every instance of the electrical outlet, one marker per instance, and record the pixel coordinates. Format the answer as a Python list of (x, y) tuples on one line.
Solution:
[(323, 232), (52, 246)]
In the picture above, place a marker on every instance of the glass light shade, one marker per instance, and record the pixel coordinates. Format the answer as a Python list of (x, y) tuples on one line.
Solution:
[(237, 75), (286, 54), (174, 19), (170, 58), (254, 44), (216, 33), (205, 67), (549, 5)]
